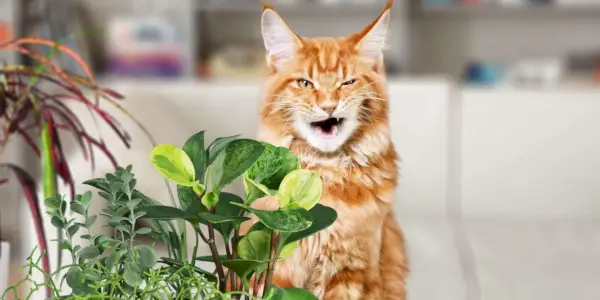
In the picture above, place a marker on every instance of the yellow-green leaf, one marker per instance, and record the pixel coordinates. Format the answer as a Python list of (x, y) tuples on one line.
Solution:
[(174, 164), (287, 250), (302, 188), (210, 199)]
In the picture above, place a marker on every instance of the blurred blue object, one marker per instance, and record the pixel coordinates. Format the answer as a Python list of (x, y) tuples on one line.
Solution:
[(482, 73), (437, 2)]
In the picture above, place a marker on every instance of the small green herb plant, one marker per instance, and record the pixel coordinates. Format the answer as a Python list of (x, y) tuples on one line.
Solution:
[(119, 267)]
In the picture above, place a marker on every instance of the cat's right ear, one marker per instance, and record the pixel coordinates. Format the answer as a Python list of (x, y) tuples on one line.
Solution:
[(281, 43)]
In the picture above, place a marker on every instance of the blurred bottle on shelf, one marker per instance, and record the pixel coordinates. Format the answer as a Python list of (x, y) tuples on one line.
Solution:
[(482, 73), (437, 2), (148, 46), (235, 61)]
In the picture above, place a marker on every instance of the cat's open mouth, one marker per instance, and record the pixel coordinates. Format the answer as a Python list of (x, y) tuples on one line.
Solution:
[(328, 127)]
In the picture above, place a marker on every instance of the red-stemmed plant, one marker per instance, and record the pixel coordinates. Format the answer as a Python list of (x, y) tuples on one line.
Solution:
[(33, 107)]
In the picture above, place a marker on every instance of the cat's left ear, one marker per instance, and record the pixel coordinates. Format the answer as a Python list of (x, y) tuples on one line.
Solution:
[(280, 41), (371, 41)]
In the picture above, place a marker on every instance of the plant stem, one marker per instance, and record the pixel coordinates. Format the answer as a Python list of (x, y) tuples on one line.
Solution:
[(193, 261), (257, 282), (234, 244), (215, 255), (272, 255)]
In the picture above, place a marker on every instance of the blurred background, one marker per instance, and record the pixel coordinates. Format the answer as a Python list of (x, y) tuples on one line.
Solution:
[(489, 42), (495, 109)]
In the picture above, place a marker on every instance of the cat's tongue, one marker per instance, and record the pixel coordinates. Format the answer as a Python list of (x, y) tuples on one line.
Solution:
[(332, 131), (329, 127)]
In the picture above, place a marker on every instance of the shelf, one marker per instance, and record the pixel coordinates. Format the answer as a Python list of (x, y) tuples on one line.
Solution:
[(491, 11), (245, 6)]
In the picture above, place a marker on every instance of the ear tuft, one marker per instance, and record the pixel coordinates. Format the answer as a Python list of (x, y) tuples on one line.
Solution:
[(374, 37), (280, 42)]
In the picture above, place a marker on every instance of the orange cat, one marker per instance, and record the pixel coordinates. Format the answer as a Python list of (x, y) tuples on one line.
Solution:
[(326, 100)]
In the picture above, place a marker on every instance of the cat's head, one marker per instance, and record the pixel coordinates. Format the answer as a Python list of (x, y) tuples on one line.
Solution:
[(325, 90)]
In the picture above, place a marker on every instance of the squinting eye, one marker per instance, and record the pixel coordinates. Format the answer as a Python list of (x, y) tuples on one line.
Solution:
[(305, 84), (349, 82)]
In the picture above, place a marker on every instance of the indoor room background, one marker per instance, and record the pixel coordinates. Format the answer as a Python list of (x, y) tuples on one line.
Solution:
[(494, 110)]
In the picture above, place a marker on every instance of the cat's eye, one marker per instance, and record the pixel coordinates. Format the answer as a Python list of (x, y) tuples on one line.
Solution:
[(305, 84), (349, 82)]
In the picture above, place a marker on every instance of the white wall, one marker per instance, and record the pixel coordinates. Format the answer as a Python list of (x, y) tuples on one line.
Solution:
[(531, 153)]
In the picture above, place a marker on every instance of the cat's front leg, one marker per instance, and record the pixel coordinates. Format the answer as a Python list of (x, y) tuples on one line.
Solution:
[(353, 285)]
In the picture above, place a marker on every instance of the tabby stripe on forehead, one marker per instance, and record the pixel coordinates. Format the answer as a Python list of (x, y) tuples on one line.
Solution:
[(281, 86), (312, 71)]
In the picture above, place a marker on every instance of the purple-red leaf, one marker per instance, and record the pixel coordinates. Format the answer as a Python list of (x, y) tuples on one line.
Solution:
[(28, 186), (112, 94), (94, 142), (70, 120), (29, 141)]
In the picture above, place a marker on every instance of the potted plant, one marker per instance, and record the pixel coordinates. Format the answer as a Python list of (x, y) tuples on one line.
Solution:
[(34, 106), (119, 267)]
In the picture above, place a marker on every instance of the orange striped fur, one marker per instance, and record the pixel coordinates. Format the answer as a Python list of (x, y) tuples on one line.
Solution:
[(362, 255)]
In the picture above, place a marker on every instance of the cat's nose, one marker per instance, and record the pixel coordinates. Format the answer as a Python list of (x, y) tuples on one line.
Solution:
[(329, 108)]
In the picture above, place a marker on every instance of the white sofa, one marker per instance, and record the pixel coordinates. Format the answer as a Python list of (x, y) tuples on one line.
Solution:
[(497, 196)]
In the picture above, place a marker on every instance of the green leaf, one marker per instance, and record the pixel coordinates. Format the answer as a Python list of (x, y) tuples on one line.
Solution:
[(209, 258), (254, 190), (99, 183), (255, 245), (73, 229), (195, 208), (198, 189), (214, 173), (115, 221), (162, 212), (74, 277), (287, 250), (144, 230), (275, 293), (194, 148), (210, 199), (89, 252), (127, 177), (86, 198), (176, 263), (244, 268), (131, 275), (239, 155), (90, 221), (322, 216), (77, 208), (174, 164), (285, 220), (302, 188), (146, 255), (186, 196), (272, 166), (133, 203), (57, 222), (218, 145), (64, 245), (226, 207), (217, 219), (114, 258), (93, 275), (52, 203), (122, 211)]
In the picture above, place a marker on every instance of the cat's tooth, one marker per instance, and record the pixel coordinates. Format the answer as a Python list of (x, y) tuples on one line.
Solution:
[(335, 130)]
